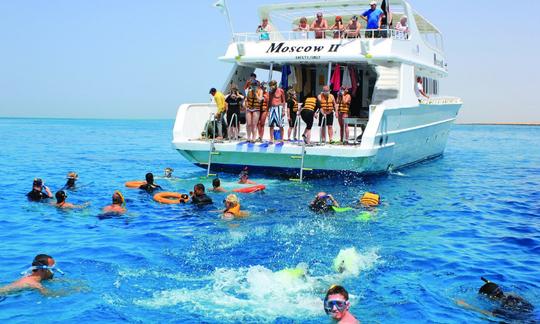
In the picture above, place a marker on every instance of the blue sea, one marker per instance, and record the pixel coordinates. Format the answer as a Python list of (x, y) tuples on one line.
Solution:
[(442, 225)]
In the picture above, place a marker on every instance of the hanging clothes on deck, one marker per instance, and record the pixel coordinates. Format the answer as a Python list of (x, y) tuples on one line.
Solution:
[(307, 83), (292, 76), (354, 80), (285, 71), (346, 83), (299, 86), (335, 80)]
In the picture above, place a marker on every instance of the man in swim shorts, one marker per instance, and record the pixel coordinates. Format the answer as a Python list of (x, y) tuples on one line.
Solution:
[(311, 104), (337, 305), (150, 186), (41, 269), (278, 103), (37, 193), (198, 196)]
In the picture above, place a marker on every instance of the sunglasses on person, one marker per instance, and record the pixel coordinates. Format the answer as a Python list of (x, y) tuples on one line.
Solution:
[(330, 304)]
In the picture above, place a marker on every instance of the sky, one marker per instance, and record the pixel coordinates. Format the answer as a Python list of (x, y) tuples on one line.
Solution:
[(142, 59)]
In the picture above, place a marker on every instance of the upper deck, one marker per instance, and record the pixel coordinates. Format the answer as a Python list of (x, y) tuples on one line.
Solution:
[(420, 46)]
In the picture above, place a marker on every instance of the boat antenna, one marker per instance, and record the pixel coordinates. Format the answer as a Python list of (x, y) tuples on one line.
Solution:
[(222, 7)]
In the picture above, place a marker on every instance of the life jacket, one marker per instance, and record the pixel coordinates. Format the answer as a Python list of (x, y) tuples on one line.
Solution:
[(234, 210), (294, 105), (265, 102), (328, 105), (344, 107), (370, 199), (310, 103), (252, 100)]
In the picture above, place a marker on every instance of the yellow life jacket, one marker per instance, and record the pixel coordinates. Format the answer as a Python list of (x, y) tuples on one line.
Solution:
[(265, 103), (344, 107), (310, 103), (328, 105), (234, 210), (252, 100), (370, 199)]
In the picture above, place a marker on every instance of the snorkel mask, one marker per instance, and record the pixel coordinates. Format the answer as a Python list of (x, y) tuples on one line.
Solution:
[(51, 269), (340, 305)]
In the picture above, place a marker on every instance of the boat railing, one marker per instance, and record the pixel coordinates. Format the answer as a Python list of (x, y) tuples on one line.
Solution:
[(441, 101), (326, 34)]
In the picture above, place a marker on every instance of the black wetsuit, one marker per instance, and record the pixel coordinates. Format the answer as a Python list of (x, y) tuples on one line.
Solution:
[(201, 200), (515, 308), (321, 205), (150, 187), (233, 109), (36, 195), (70, 184)]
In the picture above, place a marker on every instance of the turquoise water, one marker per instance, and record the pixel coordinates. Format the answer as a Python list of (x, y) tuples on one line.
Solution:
[(444, 223)]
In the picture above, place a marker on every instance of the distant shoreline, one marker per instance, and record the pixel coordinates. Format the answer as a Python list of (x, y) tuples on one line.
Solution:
[(502, 124)]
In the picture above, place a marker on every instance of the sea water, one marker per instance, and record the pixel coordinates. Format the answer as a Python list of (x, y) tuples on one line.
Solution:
[(442, 224)]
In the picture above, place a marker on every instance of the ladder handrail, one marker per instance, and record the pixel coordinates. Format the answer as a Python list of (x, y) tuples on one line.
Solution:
[(321, 128), (233, 119)]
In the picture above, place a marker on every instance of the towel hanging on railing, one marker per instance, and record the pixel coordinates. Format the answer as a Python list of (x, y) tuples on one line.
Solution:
[(346, 83), (335, 80)]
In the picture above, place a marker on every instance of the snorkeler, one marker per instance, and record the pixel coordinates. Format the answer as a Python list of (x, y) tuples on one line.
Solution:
[(37, 193), (244, 177), (118, 205), (198, 196), (232, 208), (150, 186), (336, 305), (61, 197), (216, 186), (510, 306), (42, 268), (71, 178), (323, 203), (168, 173)]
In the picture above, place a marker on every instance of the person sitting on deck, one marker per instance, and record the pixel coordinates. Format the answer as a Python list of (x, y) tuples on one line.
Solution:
[(150, 186), (42, 268), (199, 197), (353, 28), (244, 177), (37, 193), (319, 25), (118, 205), (323, 203), (232, 208), (216, 186)]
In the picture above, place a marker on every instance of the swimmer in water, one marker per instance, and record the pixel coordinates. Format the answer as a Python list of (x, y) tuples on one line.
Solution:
[(198, 196), (336, 305), (232, 208), (244, 177), (118, 205), (323, 203), (61, 197), (42, 269), (71, 178), (168, 173), (510, 307), (216, 186), (37, 193), (150, 186)]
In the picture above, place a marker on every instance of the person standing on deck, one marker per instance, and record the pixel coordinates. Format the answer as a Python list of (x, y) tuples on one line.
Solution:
[(319, 25), (264, 112), (373, 16), (344, 104), (326, 115), (253, 104), (278, 103), (219, 99)]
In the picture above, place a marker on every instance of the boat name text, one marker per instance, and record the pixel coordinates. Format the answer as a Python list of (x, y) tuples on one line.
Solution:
[(281, 48)]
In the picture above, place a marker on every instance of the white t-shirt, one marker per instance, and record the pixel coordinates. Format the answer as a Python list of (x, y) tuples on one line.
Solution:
[(417, 89)]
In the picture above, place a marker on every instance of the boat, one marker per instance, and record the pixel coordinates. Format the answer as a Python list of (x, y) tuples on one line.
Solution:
[(389, 126)]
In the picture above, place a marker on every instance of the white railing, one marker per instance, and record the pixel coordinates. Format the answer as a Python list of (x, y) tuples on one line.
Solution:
[(326, 34)]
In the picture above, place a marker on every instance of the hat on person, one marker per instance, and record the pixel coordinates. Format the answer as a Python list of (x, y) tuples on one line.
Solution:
[(212, 90), (37, 182), (232, 199), (373, 3), (72, 175)]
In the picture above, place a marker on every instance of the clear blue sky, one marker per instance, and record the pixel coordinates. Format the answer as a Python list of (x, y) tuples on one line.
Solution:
[(141, 59)]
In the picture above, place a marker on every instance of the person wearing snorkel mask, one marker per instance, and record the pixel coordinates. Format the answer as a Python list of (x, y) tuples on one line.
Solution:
[(510, 307), (253, 105), (326, 113), (278, 104), (168, 173), (233, 102), (323, 202), (37, 193), (71, 178), (61, 202), (344, 103), (42, 268), (118, 205), (337, 305)]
